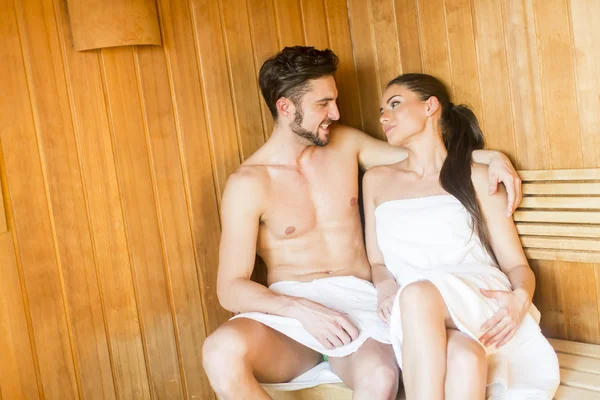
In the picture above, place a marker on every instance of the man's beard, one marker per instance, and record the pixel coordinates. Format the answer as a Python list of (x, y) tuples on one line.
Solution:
[(312, 137)]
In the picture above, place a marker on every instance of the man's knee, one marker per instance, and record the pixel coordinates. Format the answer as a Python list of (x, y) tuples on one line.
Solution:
[(380, 380), (222, 350)]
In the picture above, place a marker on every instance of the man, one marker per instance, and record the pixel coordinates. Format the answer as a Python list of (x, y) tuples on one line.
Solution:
[(295, 203)]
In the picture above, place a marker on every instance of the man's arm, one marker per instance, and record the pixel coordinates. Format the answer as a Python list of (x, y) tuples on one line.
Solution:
[(374, 152), (241, 208)]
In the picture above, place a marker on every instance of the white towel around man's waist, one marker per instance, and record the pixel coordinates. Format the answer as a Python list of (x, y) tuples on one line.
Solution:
[(355, 297)]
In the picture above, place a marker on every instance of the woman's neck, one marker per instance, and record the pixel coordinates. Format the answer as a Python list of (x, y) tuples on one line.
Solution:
[(426, 152)]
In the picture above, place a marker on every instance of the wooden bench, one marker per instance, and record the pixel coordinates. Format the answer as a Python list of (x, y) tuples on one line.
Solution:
[(558, 219)]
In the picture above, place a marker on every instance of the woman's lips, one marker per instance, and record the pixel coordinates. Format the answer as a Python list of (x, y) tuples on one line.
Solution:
[(388, 128)]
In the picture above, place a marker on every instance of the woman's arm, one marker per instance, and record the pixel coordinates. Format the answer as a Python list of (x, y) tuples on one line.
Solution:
[(382, 278), (507, 248)]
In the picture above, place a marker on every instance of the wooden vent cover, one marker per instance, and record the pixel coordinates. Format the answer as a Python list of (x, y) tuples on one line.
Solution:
[(559, 217)]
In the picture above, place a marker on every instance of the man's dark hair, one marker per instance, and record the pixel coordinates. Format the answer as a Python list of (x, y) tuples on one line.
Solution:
[(288, 73)]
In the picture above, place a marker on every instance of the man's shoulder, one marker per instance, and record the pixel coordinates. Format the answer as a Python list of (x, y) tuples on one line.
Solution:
[(246, 183)]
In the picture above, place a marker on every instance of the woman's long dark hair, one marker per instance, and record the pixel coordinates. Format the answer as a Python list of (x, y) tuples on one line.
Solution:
[(461, 135)]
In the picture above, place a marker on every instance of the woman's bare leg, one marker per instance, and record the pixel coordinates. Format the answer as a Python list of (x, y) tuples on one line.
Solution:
[(424, 319), (466, 368)]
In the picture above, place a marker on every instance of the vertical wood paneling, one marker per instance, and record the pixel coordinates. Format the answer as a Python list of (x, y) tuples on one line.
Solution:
[(463, 56), (3, 223), (194, 134), (366, 64), (558, 83), (548, 298), (578, 284), (585, 40), (289, 23), (314, 23), (17, 371), (493, 76), (140, 215), (111, 248), (526, 90), (173, 212), (212, 61), (434, 42), (386, 42), (264, 44), (346, 79), (245, 92), (407, 22)]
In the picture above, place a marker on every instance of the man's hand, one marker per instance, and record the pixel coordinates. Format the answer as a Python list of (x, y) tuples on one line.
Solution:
[(501, 327), (501, 170), (331, 328), (386, 293)]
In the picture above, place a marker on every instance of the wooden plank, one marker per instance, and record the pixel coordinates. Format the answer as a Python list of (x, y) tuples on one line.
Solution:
[(573, 217), (561, 188), (585, 39), (244, 85), (580, 302), (570, 393), (17, 365), (345, 77), (314, 23), (497, 119), (408, 35), (289, 23), (193, 129), (558, 83), (579, 363), (34, 234), (434, 43), (581, 380), (576, 348), (216, 90), (462, 54), (385, 34), (531, 139), (589, 231), (108, 229), (264, 45), (560, 243), (140, 217), (563, 255), (361, 21), (3, 224), (548, 298), (561, 202), (561, 175)]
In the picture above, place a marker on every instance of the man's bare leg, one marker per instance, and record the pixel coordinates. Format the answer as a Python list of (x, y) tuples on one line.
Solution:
[(371, 372), (243, 352), (466, 368)]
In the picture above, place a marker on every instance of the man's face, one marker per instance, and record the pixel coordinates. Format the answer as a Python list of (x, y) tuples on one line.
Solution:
[(316, 111)]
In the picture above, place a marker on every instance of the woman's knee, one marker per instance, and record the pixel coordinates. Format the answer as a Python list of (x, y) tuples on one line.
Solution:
[(419, 295), (466, 355), (380, 381)]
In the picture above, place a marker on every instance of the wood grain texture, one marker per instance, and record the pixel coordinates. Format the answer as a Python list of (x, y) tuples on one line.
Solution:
[(102, 23)]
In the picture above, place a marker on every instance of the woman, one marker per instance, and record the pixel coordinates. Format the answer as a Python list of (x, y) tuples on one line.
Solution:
[(445, 259)]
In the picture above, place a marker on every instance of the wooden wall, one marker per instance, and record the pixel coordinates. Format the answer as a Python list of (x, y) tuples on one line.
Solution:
[(112, 163)]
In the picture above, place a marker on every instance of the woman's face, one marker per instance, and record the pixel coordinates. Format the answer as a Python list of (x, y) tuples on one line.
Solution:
[(403, 114)]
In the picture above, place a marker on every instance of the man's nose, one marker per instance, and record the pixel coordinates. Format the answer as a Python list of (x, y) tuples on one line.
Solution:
[(334, 112)]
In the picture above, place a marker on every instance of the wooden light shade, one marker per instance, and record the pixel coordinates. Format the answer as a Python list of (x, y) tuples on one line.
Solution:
[(109, 23)]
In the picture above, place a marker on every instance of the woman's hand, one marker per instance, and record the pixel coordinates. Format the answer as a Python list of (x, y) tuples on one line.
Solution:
[(386, 292), (501, 327)]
